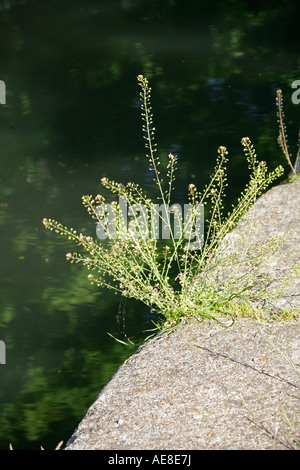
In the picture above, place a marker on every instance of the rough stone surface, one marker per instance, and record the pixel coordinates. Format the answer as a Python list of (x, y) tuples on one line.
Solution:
[(201, 387), (275, 213), (204, 386)]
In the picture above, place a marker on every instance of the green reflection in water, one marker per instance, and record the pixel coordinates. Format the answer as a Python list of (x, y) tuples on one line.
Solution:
[(71, 118)]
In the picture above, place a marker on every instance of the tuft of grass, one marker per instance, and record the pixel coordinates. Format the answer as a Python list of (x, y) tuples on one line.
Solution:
[(173, 277), (247, 310)]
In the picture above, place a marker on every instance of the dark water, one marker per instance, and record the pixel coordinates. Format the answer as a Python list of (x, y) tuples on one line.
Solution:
[(70, 118)]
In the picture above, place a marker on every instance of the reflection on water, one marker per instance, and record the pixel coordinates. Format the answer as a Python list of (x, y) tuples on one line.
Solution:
[(70, 118)]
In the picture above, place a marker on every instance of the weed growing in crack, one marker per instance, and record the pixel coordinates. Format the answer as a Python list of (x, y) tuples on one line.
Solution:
[(187, 273)]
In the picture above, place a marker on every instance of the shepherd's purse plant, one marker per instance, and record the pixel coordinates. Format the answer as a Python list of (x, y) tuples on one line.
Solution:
[(174, 277), (283, 138)]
